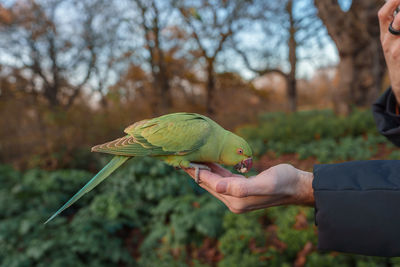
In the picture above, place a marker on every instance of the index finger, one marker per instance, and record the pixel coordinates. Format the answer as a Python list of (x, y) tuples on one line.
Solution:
[(216, 168), (205, 176), (210, 179), (385, 14)]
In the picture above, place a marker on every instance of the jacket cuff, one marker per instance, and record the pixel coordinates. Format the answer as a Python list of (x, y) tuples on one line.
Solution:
[(357, 207), (386, 118)]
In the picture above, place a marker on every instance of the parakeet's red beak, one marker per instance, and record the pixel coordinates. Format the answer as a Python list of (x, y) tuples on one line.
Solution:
[(244, 165)]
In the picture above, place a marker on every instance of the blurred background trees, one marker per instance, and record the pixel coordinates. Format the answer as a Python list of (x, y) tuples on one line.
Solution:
[(74, 73), (290, 31), (212, 24), (117, 62), (59, 55)]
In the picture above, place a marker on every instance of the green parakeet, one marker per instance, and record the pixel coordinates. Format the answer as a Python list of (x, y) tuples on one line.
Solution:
[(179, 139)]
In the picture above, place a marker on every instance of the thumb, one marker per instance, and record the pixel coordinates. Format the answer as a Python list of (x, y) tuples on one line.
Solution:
[(236, 187)]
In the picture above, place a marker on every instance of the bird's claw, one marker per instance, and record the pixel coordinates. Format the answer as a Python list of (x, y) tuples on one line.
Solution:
[(197, 168)]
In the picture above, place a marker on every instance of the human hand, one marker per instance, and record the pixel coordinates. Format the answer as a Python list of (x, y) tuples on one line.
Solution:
[(391, 43), (279, 185)]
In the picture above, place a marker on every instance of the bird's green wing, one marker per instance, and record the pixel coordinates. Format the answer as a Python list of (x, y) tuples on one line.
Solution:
[(177, 133), (172, 134)]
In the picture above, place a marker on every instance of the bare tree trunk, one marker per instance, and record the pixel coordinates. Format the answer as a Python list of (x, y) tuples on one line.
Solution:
[(163, 78), (292, 93), (203, 37), (50, 93), (155, 98), (164, 85), (356, 35), (162, 100), (291, 77), (210, 87), (360, 78)]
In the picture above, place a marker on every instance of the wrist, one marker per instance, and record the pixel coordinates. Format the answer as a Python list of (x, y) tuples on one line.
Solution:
[(304, 188)]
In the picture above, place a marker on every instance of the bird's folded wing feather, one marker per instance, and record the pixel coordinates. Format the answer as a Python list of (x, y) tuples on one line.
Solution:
[(167, 135), (127, 146)]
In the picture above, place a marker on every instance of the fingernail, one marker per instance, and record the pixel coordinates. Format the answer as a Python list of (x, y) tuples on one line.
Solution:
[(221, 187)]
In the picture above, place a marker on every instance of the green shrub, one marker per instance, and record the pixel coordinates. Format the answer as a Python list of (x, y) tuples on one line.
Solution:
[(319, 134), (395, 155), (239, 231), (26, 201), (96, 230)]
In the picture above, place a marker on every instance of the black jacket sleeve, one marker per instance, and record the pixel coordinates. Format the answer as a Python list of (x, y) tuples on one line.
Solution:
[(358, 207), (387, 122), (357, 204)]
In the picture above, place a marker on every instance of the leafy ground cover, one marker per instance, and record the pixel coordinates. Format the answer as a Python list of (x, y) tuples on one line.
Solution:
[(149, 214)]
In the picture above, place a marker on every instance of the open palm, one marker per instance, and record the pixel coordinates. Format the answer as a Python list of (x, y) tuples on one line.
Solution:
[(279, 185)]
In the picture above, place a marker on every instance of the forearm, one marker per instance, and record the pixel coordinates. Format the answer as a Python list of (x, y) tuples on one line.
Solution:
[(356, 207)]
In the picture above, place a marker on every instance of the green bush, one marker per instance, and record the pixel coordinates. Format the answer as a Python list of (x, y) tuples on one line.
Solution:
[(255, 228), (240, 230), (145, 196), (348, 148), (319, 134)]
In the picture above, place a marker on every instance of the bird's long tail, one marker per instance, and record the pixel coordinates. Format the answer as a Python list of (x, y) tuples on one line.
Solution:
[(116, 162)]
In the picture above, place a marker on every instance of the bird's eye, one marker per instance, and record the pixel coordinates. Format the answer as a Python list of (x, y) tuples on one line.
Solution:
[(240, 151)]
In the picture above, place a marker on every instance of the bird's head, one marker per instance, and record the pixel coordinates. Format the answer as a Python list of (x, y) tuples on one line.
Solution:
[(236, 152)]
